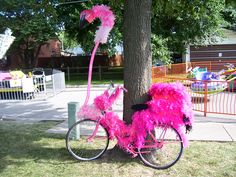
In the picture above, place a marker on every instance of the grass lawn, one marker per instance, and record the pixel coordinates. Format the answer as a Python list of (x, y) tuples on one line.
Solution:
[(114, 74), (27, 151), (83, 79)]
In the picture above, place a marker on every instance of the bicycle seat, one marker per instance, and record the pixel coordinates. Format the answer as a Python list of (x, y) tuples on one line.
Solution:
[(139, 107)]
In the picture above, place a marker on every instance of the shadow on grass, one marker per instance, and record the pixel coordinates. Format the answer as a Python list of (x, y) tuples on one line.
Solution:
[(22, 143)]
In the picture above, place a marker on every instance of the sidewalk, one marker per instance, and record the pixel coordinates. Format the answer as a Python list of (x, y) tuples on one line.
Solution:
[(210, 128)]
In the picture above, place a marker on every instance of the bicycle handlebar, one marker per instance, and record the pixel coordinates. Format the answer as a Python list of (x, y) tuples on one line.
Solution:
[(106, 100), (112, 86)]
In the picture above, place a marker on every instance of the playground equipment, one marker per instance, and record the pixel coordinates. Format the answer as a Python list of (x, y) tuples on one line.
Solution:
[(210, 82), (230, 75), (231, 69)]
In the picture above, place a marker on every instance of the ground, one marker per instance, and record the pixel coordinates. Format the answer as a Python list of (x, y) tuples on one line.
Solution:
[(27, 150)]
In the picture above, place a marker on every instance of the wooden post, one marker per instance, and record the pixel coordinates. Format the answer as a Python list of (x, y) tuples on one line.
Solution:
[(68, 73), (100, 72)]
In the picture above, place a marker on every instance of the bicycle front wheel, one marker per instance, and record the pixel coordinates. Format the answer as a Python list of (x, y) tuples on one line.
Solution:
[(165, 150), (87, 140)]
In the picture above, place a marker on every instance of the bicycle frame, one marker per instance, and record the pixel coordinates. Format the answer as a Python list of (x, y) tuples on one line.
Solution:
[(132, 148)]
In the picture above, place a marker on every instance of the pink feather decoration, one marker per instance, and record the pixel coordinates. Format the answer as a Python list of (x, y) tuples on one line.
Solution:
[(107, 18), (89, 111), (170, 102), (105, 101)]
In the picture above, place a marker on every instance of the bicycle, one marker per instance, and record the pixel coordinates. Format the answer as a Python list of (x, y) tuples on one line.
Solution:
[(88, 139), (157, 131)]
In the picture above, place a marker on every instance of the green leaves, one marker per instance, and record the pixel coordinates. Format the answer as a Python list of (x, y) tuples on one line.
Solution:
[(229, 15), (160, 51), (175, 23), (32, 24), (184, 22), (85, 37)]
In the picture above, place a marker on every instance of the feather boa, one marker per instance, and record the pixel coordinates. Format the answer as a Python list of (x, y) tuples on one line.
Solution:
[(107, 22), (170, 102), (107, 18), (105, 101), (89, 112)]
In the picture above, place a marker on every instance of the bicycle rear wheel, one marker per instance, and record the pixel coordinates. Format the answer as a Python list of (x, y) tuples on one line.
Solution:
[(80, 146), (166, 151)]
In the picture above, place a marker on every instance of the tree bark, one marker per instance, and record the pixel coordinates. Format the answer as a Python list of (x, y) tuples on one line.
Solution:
[(137, 53)]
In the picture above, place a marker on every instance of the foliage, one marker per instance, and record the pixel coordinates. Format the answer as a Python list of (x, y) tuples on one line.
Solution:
[(69, 14), (160, 51), (175, 23), (183, 22), (32, 22), (229, 15), (66, 40), (230, 3)]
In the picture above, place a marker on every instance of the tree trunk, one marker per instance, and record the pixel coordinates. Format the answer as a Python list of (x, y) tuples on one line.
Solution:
[(137, 53), (36, 54)]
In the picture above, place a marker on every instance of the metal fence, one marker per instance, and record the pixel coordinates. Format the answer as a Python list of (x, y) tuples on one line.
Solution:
[(35, 87), (218, 97)]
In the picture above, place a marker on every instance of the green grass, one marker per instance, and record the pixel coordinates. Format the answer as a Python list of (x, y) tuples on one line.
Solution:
[(110, 74), (106, 78), (26, 150)]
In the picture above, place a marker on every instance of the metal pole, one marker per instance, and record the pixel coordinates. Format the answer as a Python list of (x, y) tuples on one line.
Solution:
[(73, 108), (205, 98)]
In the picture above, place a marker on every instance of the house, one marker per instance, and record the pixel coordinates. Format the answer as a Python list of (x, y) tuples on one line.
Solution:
[(223, 50), (51, 49)]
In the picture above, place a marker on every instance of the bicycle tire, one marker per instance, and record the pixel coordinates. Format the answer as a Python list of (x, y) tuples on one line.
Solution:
[(77, 142), (165, 156)]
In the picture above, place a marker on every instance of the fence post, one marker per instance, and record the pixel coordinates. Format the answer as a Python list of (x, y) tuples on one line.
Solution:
[(100, 72), (68, 73), (73, 108), (205, 98), (44, 86)]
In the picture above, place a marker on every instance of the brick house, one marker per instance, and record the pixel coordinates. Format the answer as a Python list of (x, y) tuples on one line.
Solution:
[(51, 49)]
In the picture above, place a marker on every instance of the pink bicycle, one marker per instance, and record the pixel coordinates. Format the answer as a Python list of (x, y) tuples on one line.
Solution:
[(157, 132), (157, 139)]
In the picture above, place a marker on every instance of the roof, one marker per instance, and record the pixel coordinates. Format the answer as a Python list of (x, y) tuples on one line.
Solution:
[(230, 37)]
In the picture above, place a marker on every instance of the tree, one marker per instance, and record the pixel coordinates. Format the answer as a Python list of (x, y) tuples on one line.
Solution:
[(182, 22), (175, 23), (33, 23), (137, 53), (229, 14)]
